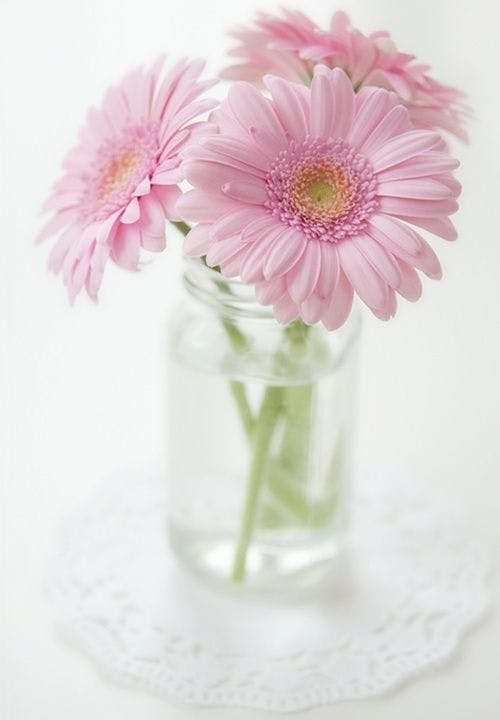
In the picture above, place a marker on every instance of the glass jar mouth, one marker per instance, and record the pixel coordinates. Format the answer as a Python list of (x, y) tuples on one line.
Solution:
[(229, 296), (233, 298)]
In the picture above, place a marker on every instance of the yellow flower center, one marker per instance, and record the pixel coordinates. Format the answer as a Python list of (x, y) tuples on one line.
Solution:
[(118, 172), (321, 190)]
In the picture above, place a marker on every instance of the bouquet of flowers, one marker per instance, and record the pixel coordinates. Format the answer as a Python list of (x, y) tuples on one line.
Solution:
[(313, 181)]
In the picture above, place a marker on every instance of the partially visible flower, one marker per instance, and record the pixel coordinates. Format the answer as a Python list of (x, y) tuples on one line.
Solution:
[(311, 195), (121, 180), (290, 45)]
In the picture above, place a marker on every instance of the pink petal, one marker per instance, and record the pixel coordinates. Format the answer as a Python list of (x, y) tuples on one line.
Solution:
[(428, 262), (302, 278), (288, 106), (247, 192), (410, 286), (55, 224), (143, 188), (270, 291), (132, 212), (126, 247), (285, 310), (285, 252), (440, 226), (423, 165), (365, 280), (425, 259), (236, 150), (403, 147), (252, 109), (265, 222), (197, 242), (385, 313), (202, 206), (211, 175), (236, 220), (395, 122), (168, 177), (450, 182), (417, 208), (340, 304), (312, 309), (322, 105), (79, 275), (417, 188), (221, 252), (232, 267), (381, 260), (265, 142), (96, 271), (153, 243), (399, 233), (167, 196), (61, 248), (252, 267), (330, 268), (344, 103), (371, 106), (105, 232), (152, 215)]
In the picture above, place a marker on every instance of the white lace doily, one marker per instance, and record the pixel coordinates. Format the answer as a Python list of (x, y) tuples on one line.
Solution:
[(410, 584)]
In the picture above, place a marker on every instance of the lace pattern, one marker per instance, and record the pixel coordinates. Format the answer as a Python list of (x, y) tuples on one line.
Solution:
[(409, 585)]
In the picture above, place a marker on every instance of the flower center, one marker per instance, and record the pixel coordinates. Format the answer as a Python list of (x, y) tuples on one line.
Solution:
[(119, 166), (321, 193), (118, 172), (323, 187)]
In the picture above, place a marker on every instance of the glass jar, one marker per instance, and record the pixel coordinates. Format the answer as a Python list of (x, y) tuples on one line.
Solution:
[(260, 422)]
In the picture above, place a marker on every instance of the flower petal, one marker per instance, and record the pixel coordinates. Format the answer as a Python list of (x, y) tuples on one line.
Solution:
[(302, 278), (252, 267), (410, 286), (367, 283), (284, 253), (132, 212), (285, 310), (340, 305), (126, 246), (403, 147), (417, 208), (440, 226), (247, 192), (417, 188), (344, 103), (379, 258), (288, 106), (322, 105), (330, 268), (197, 242), (270, 291)]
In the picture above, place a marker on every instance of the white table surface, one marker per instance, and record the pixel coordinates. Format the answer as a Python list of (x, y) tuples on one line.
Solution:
[(81, 389)]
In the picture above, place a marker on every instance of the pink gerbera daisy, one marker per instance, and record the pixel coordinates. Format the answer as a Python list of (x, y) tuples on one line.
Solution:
[(311, 195), (291, 44), (121, 180)]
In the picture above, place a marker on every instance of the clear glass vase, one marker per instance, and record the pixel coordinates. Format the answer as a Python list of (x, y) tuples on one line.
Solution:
[(260, 422)]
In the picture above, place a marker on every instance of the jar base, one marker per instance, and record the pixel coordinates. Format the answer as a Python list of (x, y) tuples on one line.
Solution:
[(270, 566)]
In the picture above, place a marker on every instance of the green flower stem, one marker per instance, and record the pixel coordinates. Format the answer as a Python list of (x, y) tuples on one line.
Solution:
[(182, 226), (262, 437), (239, 342), (240, 398)]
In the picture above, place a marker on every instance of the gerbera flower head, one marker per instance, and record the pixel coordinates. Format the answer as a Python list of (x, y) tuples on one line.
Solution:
[(291, 44), (312, 193), (121, 181)]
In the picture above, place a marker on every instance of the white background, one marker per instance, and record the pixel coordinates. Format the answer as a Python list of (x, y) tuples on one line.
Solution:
[(81, 389)]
